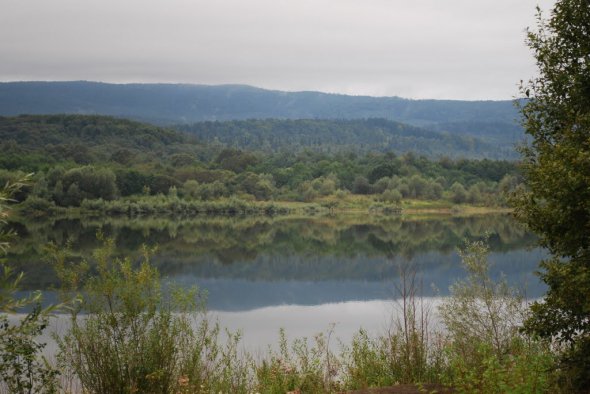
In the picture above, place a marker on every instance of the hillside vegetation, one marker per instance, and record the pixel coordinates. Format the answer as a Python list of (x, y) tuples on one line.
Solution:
[(78, 159), (31, 143), (359, 135)]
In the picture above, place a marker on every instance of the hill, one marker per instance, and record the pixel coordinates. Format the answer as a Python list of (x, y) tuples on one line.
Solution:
[(31, 142), (174, 103), (82, 158), (360, 135)]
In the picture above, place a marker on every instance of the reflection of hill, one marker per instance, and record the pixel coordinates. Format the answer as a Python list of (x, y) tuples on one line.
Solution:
[(246, 286), (240, 287), (275, 249)]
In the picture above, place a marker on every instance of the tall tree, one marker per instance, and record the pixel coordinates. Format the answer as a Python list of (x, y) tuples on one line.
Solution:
[(556, 205)]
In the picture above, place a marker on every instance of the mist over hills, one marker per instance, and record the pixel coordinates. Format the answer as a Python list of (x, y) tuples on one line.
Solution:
[(487, 124)]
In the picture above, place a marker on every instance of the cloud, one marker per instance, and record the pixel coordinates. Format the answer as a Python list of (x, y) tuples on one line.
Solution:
[(420, 49)]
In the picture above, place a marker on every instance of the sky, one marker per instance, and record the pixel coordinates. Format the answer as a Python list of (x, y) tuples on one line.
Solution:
[(441, 49)]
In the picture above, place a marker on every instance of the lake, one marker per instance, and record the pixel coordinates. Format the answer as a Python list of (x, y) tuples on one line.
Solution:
[(299, 273)]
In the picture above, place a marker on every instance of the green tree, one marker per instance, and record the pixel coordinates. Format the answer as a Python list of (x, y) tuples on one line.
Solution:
[(556, 168), (458, 193), (381, 171), (481, 309), (434, 190), (235, 160), (417, 186), (191, 188), (383, 184), (160, 184), (131, 182), (390, 195), (122, 156), (361, 185), (181, 159), (90, 183)]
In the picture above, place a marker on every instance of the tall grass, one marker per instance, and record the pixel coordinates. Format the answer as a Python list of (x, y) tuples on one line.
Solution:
[(409, 352)]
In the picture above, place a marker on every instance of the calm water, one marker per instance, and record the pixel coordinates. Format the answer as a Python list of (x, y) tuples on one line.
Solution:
[(263, 273)]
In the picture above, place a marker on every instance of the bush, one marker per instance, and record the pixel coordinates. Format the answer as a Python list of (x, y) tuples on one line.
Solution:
[(524, 369), (393, 196), (486, 351), (87, 183), (458, 194), (136, 337), (361, 185), (22, 369), (301, 368), (35, 206), (131, 340)]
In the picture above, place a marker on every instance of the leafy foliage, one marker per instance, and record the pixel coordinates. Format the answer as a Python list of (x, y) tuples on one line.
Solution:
[(557, 172), (481, 309), (36, 142), (486, 352), (22, 368), (140, 337), (130, 341)]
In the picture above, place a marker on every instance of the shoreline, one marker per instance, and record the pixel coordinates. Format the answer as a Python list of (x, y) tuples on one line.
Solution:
[(163, 208)]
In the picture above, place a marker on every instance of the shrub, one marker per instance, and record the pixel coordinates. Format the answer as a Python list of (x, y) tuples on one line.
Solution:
[(137, 337), (458, 194), (22, 369), (131, 340), (35, 206), (390, 195), (303, 368), (524, 369), (486, 351)]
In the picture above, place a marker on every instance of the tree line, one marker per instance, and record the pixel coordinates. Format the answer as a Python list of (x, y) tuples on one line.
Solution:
[(474, 140), (77, 158)]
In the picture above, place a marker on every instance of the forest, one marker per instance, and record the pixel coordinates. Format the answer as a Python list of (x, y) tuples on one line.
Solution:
[(78, 159), (493, 141)]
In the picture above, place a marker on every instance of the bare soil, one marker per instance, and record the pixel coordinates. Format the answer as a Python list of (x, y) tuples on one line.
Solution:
[(406, 389)]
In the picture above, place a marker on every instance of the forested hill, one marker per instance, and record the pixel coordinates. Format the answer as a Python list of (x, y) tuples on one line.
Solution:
[(31, 142), (79, 158), (173, 104), (369, 135)]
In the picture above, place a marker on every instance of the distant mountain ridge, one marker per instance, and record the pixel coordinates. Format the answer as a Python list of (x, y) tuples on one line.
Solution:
[(192, 103), (493, 122)]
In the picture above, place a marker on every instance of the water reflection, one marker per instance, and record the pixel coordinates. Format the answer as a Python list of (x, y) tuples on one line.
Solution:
[(256, 262)]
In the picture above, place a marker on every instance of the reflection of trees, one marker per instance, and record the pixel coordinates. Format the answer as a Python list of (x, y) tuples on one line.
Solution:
[(345, 246)]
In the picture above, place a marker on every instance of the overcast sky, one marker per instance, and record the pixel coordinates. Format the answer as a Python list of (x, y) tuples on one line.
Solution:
[(457, 49)]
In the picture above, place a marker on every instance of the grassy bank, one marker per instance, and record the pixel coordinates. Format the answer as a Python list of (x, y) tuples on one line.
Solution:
[(174, 206)]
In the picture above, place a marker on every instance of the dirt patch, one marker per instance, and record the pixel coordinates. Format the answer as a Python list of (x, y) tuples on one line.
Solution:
[(406, 389)]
